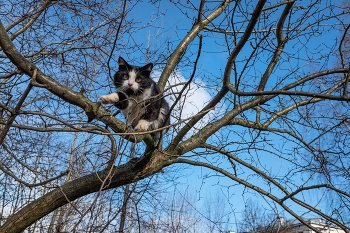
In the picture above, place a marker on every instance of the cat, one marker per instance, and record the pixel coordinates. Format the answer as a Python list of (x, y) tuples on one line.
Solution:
[(139, 98)]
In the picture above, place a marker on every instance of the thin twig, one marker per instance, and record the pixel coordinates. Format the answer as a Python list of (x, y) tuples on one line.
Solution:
[(121, 134), (16, 110), (343, 62), (188, 83), (116, 38)]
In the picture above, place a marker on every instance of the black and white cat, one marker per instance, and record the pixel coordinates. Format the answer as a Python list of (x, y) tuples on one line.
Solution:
[(138, 97)]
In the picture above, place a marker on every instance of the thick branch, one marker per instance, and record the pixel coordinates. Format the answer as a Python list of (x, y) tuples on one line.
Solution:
[(242, 41), (68, 95), (180, 49), (280, 46), (122, 175), (196, 140)]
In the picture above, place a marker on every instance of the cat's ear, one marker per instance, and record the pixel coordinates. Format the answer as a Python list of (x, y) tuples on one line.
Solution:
[(146, 70), (122, 63), (148, 67)]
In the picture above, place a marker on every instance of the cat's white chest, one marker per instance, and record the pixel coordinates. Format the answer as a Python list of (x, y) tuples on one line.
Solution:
[(134, 111), (136, 107)]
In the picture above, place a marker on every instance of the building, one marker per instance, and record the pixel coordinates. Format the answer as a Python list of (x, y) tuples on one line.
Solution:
[(295, 226), (318, 223)]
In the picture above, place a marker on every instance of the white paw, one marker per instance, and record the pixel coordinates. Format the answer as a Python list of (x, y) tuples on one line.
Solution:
[(107, 99), (142, 125)]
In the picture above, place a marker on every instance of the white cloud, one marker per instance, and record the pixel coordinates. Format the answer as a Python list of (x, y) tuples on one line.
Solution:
[(192, 101)]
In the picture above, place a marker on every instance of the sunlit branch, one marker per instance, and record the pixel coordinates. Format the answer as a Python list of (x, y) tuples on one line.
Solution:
[(221, 93), (200, 11), (45, 5), (187, 83), (180, 49), (61, 91), (22, 18)]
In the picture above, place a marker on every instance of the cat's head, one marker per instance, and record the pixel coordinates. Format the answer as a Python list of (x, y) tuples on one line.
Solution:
[(132, 79)]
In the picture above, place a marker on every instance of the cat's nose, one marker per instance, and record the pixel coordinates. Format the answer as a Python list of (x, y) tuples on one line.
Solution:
[(130, 84)]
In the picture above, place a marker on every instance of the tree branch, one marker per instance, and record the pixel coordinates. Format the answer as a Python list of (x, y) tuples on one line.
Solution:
[(201, 137), (180, 49), (280, 46), (68, 95), (16, 110)]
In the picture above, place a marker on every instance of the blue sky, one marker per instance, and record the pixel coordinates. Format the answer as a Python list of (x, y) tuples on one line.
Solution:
[(170, 23)]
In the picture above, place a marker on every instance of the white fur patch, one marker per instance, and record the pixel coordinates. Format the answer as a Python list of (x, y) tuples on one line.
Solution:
[(133, 111), (146, 93), (142, 125), (132, 76), (107, 99), (132, 80)]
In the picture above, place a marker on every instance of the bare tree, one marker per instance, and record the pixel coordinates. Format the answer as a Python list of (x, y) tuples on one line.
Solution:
[(256, 218), (280, 98)]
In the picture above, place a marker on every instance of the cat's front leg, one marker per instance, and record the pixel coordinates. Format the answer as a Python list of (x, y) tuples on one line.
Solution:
[(142, 125), (107, 99)]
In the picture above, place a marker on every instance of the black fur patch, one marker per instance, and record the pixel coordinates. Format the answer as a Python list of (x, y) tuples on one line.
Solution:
[(123, 102)]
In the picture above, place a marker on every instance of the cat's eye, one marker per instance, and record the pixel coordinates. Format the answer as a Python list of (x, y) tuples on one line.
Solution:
[(126, 76), (138, 80)]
